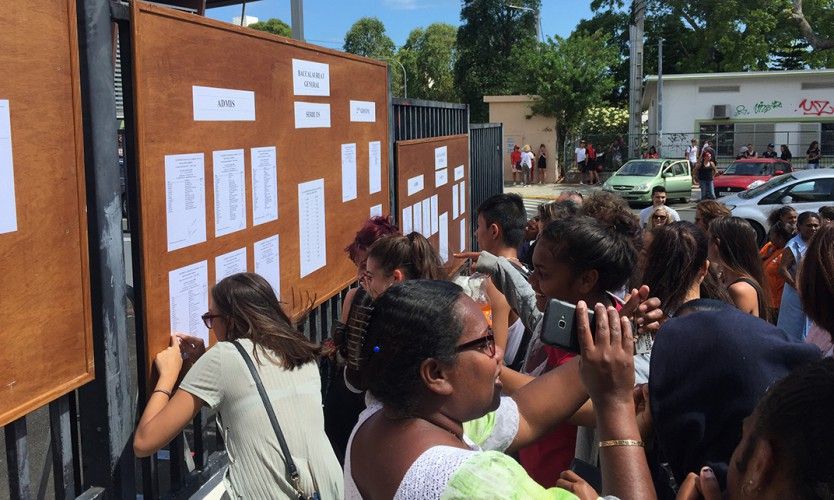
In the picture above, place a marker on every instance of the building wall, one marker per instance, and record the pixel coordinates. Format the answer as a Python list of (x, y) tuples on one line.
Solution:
[(792, 108), (522, 127)]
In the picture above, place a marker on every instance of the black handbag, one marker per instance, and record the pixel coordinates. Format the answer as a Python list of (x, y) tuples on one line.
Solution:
[(292, 470)]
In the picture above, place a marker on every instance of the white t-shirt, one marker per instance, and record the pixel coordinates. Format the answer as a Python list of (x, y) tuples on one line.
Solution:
[(692, 153), (647, 212), (580, 155), (527, 159)]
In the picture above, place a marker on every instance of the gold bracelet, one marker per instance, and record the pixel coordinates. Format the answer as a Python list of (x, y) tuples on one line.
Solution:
[(163, 391), (620, 442)]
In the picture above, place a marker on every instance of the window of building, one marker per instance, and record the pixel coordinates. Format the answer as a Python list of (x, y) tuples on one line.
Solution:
[(827, 139), (712, 89), (721, 137)]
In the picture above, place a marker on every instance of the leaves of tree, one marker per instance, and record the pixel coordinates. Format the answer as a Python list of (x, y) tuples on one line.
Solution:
[(274, 26), (367, 37)]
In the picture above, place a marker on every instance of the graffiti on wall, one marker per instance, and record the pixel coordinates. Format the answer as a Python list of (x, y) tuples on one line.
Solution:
[(760, 108), (816, 107)]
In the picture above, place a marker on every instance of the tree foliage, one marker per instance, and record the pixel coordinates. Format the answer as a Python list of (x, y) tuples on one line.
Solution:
[(604, 120), (429, 57), (274, 26), (489, 35), (367, 37)]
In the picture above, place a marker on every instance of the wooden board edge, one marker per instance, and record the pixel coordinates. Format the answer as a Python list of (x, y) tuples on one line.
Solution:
[(44, 399), (428, 140)]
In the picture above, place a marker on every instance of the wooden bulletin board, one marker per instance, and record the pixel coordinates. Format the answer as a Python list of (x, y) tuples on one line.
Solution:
[(45, 317), (172, 54), (417, 162)]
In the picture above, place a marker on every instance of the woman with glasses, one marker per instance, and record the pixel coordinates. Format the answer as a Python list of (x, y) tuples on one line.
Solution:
[(398, 258), (243, 309), (430, 360), (659, 217)]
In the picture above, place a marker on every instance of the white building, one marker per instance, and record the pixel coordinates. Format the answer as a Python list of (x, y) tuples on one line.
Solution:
[(734, 109), (247, 20)]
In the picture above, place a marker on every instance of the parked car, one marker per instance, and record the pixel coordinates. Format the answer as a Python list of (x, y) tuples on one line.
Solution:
[(803, 189), (634, 180), (748, 173)]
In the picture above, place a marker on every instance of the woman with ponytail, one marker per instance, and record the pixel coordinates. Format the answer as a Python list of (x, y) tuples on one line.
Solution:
[(398, 258)]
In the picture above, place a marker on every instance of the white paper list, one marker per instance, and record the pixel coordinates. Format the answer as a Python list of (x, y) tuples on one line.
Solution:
[(312, 115), (427, 217), (376, 211), (458, 173), (415, 185), (348, 172), (441, 177), (229, 192), (188, 299), (8, 205), (229, 263), (363, 111), (434, 209), (268, 262), (185, 200), (374, 166), (264, 185), (455, 202), (311, 229), (462, 197), (441, 157), (462, 235), (405, 223), (443, 248), (310, 78), (214, 104), (417, 222)]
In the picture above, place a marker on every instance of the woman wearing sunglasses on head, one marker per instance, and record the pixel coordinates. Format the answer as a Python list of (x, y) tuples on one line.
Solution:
[(244, 313)]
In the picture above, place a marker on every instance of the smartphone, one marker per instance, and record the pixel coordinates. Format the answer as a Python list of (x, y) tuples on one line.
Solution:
[(559, 327), (591, 474)]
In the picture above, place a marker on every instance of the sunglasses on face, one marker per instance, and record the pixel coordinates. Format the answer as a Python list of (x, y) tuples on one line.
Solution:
[(659, 217), (485, 344), (208, 319)]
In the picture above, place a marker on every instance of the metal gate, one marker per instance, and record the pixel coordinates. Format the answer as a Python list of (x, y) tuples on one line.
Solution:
[(485, 168)]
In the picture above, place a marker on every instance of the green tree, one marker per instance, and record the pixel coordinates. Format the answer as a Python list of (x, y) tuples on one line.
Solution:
[(274, 26), (490, 35), (608, 120), (367, 38), (615, 24), (428, 57)]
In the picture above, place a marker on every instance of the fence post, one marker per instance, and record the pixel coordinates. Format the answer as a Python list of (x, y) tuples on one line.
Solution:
[(105, 405)]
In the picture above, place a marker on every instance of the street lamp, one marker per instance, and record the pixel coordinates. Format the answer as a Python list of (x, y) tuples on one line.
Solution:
[(538, 18), (405, 78)]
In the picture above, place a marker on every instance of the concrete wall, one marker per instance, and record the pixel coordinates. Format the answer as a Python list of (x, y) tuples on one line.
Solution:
[(521, 127)]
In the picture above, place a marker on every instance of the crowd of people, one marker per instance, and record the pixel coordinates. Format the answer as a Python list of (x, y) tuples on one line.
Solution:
[(700, 366)]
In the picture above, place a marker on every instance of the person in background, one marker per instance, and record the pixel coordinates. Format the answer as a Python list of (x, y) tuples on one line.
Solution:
[(581, 161), (515, 163), (785, 153), (827, 215), (541, 164), (396, 258), (341, 405), (525, 250), (707, 148), (691, 154), (707, 211), (660, 217), (813, 155), (592, 165), (658, 200), (244, 309), (751, 151), (733, 249), (785, 214), (770, 152), (616, 150), (743, 152), (651, 154), (792, 318), (816, 287), (771, 255), (527, 161), (706, 177)]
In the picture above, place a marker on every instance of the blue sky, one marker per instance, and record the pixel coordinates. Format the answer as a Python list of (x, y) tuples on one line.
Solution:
[(327, 21)]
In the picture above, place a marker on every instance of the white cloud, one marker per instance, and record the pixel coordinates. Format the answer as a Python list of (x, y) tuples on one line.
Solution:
[(401, 4)]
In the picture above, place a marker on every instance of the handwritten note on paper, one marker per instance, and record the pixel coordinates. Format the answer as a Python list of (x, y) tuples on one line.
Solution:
[(434, 210), (188, 299), (312, 115), (185, 200), (415, 185), (441, 157), (417, 222), (310, 78), (458, 173), (8, 206), (363, 111), (374, 166), (441, 177), (268, 262), (229, 264), (229, 192), (376, 211), (427, 225), (348, 172), (455, 202), (211, 104), (264, 185), (405, 223), (462, 235), (443, 248), (311, 227), (462, 186)]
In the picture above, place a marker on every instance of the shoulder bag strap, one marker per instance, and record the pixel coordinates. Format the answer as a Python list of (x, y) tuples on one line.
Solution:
[(291, 468)]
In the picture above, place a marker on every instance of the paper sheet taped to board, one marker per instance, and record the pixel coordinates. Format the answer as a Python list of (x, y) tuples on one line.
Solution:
[(188, 299), (229, 192), (311, 226), (185, 200), (216, 104), (348, 172), (264, 185), (268, 262), (363, 111), (310, 78), (312, 115), (374, 167), (229, 263), (8, 205)]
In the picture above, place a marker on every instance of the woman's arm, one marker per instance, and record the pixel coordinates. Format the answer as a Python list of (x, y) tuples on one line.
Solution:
[(165, 416), (500, 314), (788, 260), (745, 297)]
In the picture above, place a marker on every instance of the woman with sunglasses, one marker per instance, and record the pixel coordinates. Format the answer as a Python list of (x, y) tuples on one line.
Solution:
[(659, 217), (430, 361), (243, 308)]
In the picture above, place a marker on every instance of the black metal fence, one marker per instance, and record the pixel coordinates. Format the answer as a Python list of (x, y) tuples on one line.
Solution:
[(485, 167)]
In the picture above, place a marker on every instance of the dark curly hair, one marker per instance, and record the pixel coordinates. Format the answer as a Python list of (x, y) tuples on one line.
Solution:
[(411, 322), (777, 214), (373, 229)]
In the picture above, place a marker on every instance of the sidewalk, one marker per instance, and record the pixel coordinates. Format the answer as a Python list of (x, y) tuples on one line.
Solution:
[(549, 191)]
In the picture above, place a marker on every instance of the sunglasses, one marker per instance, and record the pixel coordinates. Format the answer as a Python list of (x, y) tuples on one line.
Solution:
[(485, 344), (208, 318), (659, 217)]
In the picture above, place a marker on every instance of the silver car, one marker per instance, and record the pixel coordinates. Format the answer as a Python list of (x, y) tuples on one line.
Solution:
[(804, 190)]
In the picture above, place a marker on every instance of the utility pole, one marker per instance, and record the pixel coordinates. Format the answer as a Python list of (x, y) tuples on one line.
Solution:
[(297, 13), (660, 94), (635, 79), (538, 18)]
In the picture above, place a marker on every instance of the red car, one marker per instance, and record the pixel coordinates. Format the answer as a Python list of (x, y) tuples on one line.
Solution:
[(749, 172)]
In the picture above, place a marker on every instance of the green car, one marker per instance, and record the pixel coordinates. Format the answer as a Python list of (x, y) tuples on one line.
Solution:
[(634, 180)]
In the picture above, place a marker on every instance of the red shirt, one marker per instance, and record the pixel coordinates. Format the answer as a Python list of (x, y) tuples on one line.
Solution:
[(515, 157)]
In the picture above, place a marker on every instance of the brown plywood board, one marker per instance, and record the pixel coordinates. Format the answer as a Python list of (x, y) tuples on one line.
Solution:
[(175, 51), (417, 158), (45, 317)]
